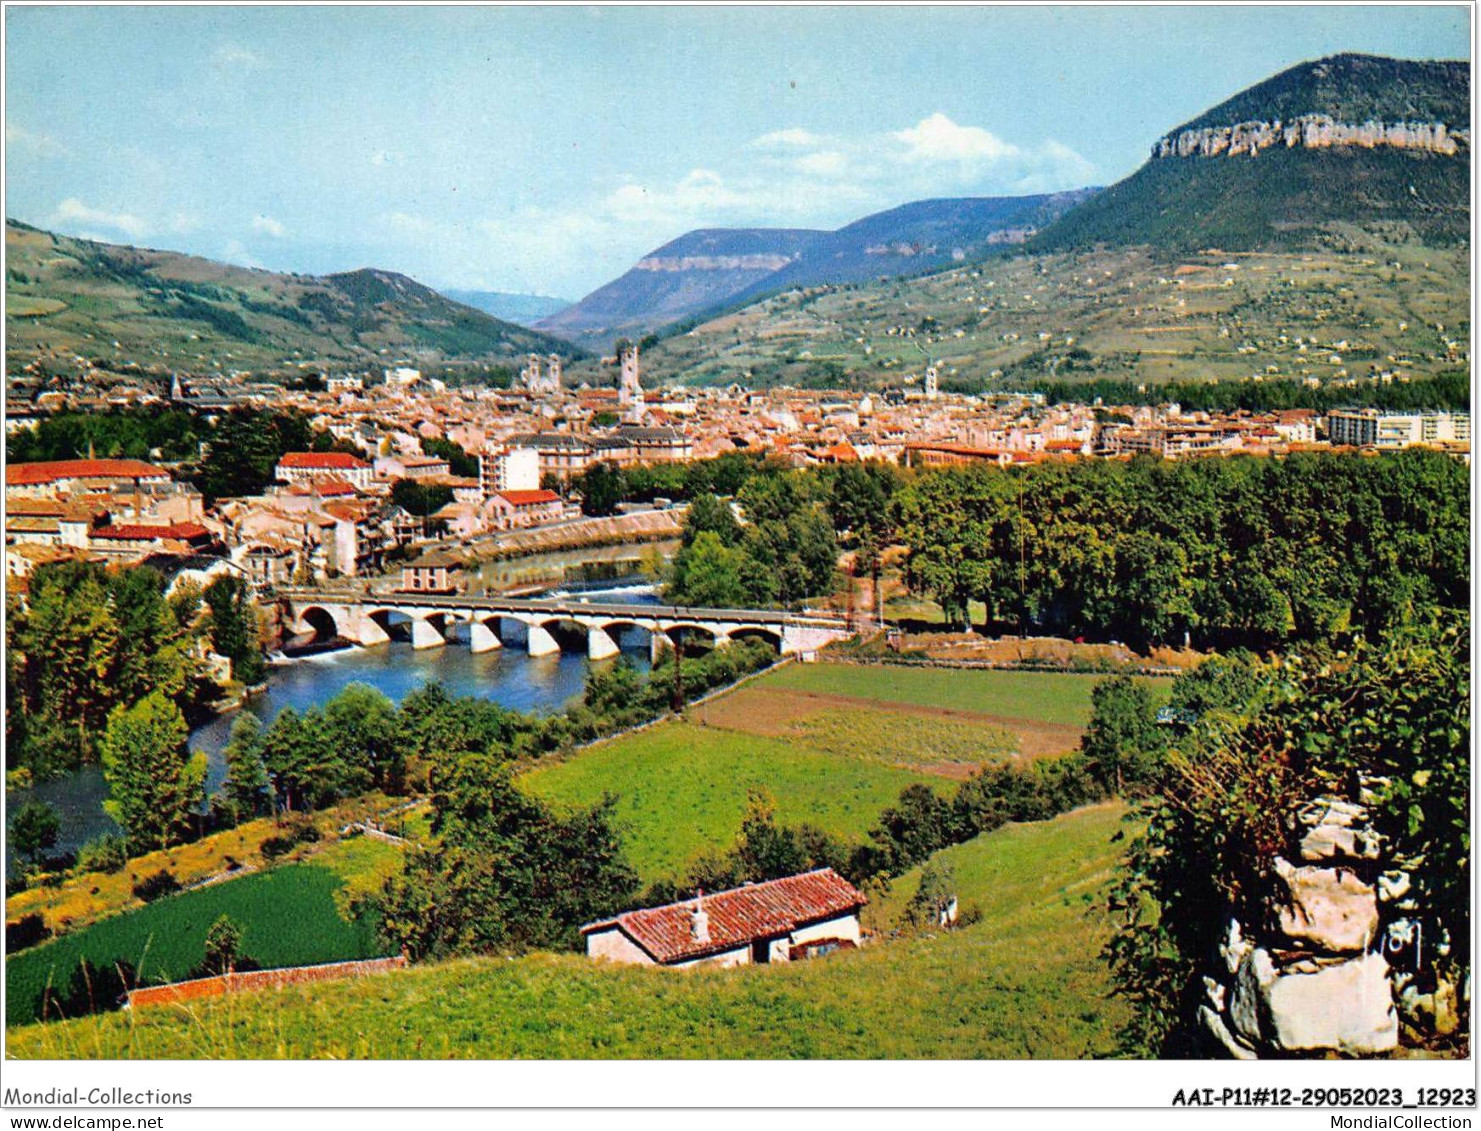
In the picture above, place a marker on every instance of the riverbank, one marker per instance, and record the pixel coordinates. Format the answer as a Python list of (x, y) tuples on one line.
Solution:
[(612, 530)]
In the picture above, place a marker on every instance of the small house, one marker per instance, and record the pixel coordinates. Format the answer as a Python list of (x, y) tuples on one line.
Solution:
[(784, 920), (434, 572)]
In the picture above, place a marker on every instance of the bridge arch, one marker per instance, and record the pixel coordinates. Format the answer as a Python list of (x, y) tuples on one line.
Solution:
[(692, 638), (320, 621), (772, 636)]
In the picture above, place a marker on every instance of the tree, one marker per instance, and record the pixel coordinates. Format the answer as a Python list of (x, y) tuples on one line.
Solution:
[(1393, 713), (602, 487), (708, 513), (234, 628), (68, 640), (247, 790), (33, 830), (709, 574), (154, 782), (223, 947), (362, 729), (1122, 742), (505, 873)]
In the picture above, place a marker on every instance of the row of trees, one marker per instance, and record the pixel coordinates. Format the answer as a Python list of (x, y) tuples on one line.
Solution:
[(1220, 553)]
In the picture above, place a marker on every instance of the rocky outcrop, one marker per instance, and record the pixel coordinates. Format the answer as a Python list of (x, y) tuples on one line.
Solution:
[(713, 262), (1312, 974), (1312, 131)]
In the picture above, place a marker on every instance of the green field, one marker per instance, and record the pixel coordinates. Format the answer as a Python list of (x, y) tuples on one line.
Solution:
[(1049, 697), (288, 916), (684, 788), (1026, 981)]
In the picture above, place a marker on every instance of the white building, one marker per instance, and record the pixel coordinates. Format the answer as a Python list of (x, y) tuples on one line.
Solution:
[(1369, 428), (782, 920), (508, 469)]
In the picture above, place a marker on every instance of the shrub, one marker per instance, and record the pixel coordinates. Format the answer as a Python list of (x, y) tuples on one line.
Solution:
[(275, 846), (160, 884), (26, 931), (106, 853)]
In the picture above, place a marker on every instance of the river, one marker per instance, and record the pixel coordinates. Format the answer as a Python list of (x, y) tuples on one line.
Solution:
[(507, 676)]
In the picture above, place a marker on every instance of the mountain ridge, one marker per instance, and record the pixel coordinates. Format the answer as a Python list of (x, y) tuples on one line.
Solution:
[(707, 271), (1331, 152), (152, 306)]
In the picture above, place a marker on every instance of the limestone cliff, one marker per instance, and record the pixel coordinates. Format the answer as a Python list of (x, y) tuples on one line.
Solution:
[(1312, 131)]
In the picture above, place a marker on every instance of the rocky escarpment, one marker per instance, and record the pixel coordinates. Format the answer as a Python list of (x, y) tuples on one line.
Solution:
[(713, 262), (1312, 131), (1333, 960)]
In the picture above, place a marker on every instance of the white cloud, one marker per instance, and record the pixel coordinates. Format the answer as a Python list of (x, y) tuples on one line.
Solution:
[(938, 138), (73, 212), (387, 157), (33, 144), (267, 226)]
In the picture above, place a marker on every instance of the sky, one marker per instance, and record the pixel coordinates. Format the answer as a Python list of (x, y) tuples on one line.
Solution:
[(544, 150)]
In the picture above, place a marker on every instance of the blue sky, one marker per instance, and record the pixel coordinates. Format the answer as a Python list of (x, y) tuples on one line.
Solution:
[(546, 149)]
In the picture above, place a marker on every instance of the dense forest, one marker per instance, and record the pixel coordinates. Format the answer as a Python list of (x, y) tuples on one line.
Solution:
[(1217, 553)]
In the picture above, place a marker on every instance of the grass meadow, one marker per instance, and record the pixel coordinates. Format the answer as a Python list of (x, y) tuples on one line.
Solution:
[(1025, 981), (1050, 697), (683, 788)]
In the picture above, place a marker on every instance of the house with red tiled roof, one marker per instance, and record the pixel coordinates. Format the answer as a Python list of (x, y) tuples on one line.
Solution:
[(512, 510), (784, 920), (303, 467)]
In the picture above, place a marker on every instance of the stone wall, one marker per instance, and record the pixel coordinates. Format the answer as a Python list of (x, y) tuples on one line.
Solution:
[(1312, 131), (1312, 975)]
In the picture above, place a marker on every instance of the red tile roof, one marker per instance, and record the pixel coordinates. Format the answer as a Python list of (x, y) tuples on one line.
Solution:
[(30, 474), (528, 498), (148, 532), (737, 917), (322, 461)]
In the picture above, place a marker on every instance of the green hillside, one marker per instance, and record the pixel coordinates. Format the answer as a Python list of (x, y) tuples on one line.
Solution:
[(146, 308), (1125, 313), (288, 916), (1025, 981)]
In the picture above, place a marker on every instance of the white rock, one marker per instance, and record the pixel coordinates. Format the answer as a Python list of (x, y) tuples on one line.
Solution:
[(1347, 1008), (1332, 811), (1327, 908), (1255, 975), (1235, 947), (1393, 886), (1220, 1032), (1215, 991), (1326, 842)]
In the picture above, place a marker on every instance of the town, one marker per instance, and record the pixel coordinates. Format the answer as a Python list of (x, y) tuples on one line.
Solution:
[(333, 515)]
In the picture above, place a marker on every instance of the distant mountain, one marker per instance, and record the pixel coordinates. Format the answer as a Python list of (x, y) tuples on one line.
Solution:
[(1328, 153), (916, 238), (692, 273), (522, 310), (126, 304), (705, 272)]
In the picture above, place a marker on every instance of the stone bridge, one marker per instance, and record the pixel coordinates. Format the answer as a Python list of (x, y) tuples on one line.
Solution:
[(367, 619)]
